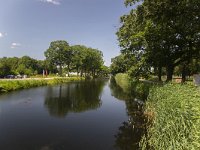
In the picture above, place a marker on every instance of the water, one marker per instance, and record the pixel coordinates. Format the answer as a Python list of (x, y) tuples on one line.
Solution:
[(81, 115)]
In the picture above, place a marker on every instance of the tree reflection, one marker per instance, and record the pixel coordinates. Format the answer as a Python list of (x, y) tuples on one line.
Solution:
[(130, 132), (74, 97)]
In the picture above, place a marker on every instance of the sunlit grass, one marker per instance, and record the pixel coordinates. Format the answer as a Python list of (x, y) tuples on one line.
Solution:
[(123, 81), (138, 88), (175, 125), (12, 85)]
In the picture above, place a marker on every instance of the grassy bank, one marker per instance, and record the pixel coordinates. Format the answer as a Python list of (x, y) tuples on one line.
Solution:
[(123, 81), (12, 85), (139, 89), (174, 113)]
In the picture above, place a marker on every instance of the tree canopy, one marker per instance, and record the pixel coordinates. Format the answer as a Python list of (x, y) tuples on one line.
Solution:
[(164, 33), (60, 57), (78, 58)]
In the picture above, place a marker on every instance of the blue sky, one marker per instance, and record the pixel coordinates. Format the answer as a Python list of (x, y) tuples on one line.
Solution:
[(28, 26)]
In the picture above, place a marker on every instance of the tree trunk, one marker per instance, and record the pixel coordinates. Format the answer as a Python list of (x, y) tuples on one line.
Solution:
[(81, 73), (159, 73), (93, 73), (183, 74), (60, 70), (170, 71), (77, 71), (68, 69)]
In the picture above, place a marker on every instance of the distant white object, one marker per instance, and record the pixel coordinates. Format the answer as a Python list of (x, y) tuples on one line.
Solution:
[(43, 72), (196, 79), (73, 73), (24, 76)]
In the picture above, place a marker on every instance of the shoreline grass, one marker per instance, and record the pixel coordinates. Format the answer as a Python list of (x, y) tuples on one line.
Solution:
[(176, 118), (171, 111), (138, 88), (13, 84)]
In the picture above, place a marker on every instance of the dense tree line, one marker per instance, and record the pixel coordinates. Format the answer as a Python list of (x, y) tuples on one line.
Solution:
[(163, 35), (24, 65), (78, 58), (60, 58)]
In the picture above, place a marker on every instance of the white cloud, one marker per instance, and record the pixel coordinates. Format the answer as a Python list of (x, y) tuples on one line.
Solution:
[(15, 45), (55, 2), (2, 34)]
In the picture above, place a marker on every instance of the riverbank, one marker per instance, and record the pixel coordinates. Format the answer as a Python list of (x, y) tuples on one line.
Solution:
[(7, 85), (172, 114), (174, 117), (138, 88)]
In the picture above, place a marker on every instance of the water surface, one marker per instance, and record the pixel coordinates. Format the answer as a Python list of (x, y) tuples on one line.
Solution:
[(81, 115)]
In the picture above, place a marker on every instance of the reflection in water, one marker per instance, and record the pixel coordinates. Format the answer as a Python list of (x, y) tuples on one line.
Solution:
[(131, 131), (75, 97)]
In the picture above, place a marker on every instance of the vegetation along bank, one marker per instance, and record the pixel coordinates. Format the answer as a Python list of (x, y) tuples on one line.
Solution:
[(171, 112), (12, 85)]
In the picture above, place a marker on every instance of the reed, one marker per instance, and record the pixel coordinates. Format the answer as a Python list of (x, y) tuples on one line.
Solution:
[(175, 120)]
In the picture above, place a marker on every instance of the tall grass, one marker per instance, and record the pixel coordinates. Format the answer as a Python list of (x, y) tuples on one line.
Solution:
[(138, 89), (123, 80), (12, 85), (175, 113)]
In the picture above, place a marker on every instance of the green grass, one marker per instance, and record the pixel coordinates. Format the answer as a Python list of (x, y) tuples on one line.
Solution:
[(174, 113), (123, 81), (137, 88), (12, 85)]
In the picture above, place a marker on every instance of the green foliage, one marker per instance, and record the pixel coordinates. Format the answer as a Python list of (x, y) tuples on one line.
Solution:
[(12, 85), (24, 65), (175, 110), (79, 54), (122, 63), (123, 81), (78, 58), (131, 2), (59, 54), (63, 80), (104, 71), (166, 33), (93, 61), (118, 65), (136, 88)]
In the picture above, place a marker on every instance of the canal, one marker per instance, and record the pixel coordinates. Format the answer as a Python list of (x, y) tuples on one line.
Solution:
[(87, 115)]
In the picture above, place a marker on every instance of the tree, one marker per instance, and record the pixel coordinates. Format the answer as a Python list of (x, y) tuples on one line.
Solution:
[(5, 69), (166, 31), (59, 54), (79, 52), (104, 71), (27, 65), (118, 65), (92, 61)]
